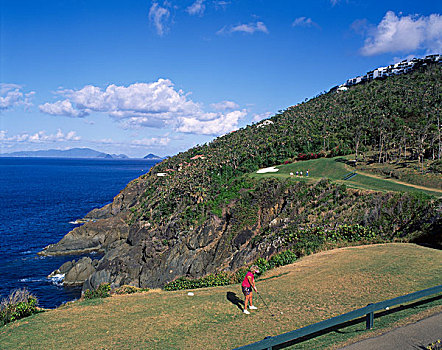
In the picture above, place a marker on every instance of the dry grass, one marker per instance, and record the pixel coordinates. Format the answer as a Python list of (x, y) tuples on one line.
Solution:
[(315, 288)]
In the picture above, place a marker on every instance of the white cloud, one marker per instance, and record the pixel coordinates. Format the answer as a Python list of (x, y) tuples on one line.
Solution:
[(334, 2), (221, 124), (107, 141), (146, 104), (304, 22), (224, 105), (156, 104), (401, 58), (157, 141), (40, 137), (151, 142), (221, 4), (250, 28), (158, 16), (11, 95), (262, 116), (63, 108), (404, 34), (197, 8)]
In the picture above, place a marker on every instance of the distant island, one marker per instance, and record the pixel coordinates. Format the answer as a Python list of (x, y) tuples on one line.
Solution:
[(151, 156), (69, 153)]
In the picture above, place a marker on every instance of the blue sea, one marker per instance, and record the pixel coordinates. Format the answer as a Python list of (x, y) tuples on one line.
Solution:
[(39, 200)]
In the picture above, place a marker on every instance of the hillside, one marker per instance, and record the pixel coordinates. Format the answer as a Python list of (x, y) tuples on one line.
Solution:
[(340, 169), (315, 288), (200, 212)]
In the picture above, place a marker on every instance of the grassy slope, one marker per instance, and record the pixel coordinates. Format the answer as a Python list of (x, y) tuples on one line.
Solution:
[(335, 169), (315, 288)]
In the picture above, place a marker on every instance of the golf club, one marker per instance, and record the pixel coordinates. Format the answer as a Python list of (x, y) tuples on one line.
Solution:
[(267, 306)]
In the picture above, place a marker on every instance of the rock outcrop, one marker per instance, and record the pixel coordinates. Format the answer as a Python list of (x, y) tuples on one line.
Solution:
[(146, 255), (80, 272)]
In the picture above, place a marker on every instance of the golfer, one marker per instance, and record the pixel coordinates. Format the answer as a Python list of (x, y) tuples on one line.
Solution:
[(247, 285)]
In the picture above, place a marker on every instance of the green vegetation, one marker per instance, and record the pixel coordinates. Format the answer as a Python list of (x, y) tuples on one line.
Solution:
[(408, 171), (125, 289), (20, 303), (211, 280), (321, 211), (336, 169), (314, 288), (103, 291), (437, 345), (385, 122), (281, 259), (226, 278)]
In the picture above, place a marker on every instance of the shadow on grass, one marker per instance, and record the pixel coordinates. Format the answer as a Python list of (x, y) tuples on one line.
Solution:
[(339, 328), (269, 278), (345, 161), (232, 297)]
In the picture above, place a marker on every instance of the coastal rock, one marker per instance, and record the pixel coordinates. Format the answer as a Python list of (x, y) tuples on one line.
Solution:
[(66, 266), (91, 237), (96, 279), (79, 272)]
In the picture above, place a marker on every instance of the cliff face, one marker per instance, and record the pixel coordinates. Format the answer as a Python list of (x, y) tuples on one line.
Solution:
[(144, 254), (140, 255)]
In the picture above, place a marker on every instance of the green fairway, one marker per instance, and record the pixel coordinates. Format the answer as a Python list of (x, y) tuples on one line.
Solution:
[(315, 288), (336, 169)]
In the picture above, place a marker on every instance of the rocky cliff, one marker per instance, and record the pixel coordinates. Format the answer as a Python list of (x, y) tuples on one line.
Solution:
[(256, 224), (200, 212)]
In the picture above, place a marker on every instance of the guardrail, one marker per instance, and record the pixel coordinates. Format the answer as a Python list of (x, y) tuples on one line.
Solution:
[(367, 311)]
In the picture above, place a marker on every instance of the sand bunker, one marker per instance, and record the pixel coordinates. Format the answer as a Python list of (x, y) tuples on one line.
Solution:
[(267, 170)]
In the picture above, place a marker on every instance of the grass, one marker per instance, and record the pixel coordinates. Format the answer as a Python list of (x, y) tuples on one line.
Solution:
[(315, 288), (336, 169), (408, 171)]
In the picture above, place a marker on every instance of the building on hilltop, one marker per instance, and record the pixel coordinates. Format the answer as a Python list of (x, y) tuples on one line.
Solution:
[(402, 67)]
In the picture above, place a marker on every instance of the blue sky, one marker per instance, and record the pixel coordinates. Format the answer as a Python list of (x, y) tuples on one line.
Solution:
[(139, 77)]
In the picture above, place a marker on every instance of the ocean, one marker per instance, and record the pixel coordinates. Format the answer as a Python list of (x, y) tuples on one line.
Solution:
[(39, 200)]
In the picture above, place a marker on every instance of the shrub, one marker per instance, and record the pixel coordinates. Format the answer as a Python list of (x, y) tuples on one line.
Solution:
[(20, 303), (212, 280), (279, 259), (126, 289), (103, 291), (437, 345), (307, 156), (309, 244), (351, 233), (283, 258), (226, 278)]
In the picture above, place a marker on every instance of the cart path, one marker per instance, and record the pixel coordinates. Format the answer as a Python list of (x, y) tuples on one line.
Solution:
[(413, 336), (397, 181)]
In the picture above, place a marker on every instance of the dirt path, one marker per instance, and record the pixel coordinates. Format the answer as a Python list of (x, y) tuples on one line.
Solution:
[(395, 181)]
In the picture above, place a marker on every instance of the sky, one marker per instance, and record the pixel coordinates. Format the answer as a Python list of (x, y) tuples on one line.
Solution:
[(141, 76)]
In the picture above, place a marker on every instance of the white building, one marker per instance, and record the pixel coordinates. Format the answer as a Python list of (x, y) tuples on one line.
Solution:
[(402, 67)]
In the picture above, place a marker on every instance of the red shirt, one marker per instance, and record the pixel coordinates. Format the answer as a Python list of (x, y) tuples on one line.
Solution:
[(246, 282)]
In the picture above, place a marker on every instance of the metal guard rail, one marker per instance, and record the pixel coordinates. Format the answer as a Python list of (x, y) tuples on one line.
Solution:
[(367, 311)]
